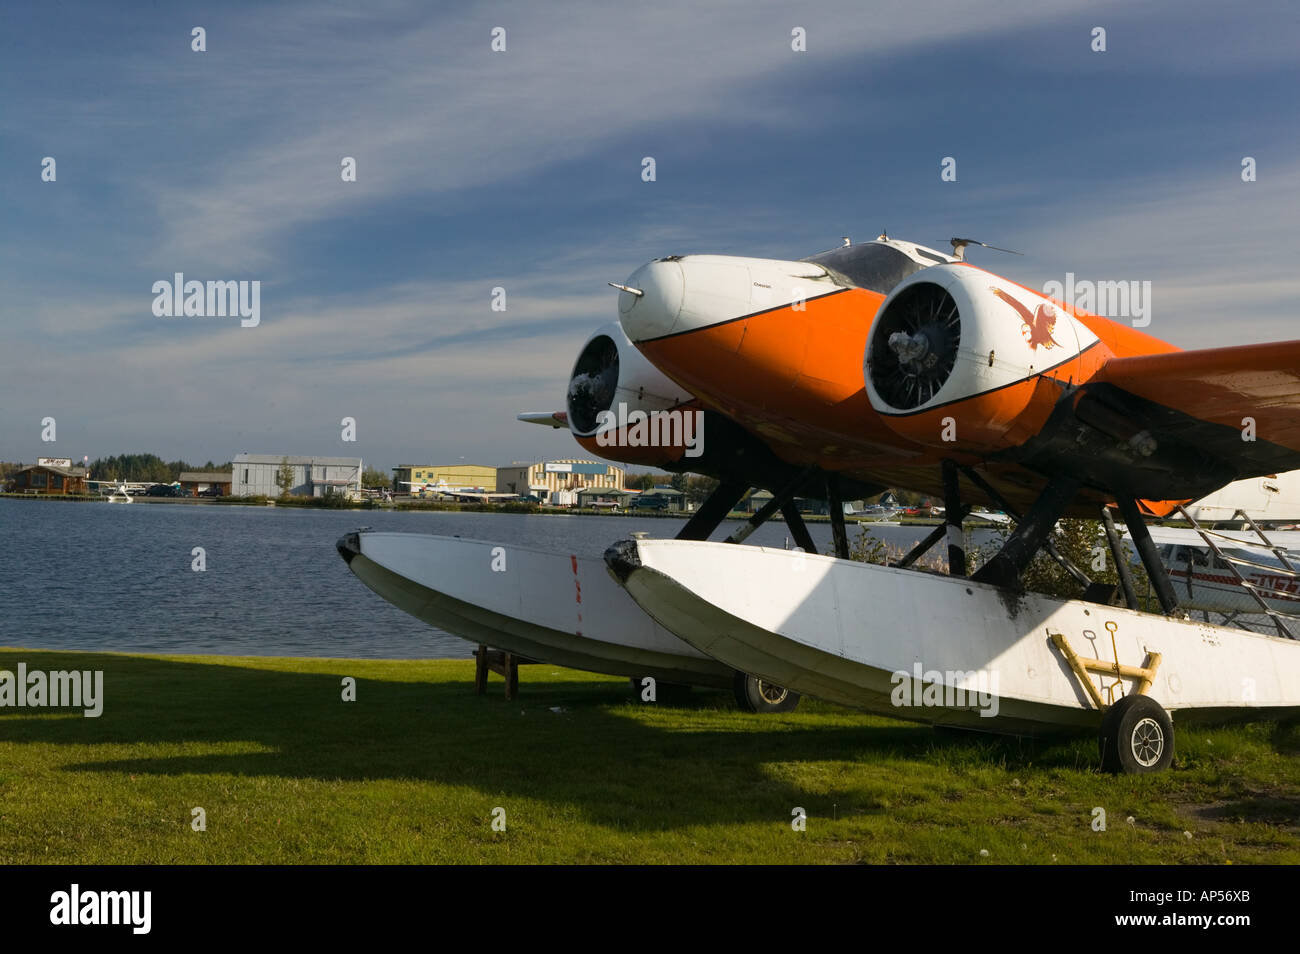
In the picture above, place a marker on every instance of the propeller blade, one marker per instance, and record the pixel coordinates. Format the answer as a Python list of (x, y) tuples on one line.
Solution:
[(959, 247)]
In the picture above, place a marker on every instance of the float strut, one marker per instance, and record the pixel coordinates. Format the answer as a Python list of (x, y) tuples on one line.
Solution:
[(1006, 566), (952, 515), (798, 529), (1049, 545), (1121, 562), (1146, 548), (713, 511), (764, 513), (933, 537), (835, 507)]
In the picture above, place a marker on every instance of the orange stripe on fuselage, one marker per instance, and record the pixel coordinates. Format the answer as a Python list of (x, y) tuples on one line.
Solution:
[(795, 378), (792, 377)]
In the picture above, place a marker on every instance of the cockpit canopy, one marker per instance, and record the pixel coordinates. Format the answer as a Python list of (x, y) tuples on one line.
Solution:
[(876, 266)]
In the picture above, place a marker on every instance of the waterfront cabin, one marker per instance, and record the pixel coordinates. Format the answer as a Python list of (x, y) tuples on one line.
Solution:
[(56, 479)]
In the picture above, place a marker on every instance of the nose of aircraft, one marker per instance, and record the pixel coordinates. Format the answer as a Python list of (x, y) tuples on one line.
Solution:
[(654, 312)]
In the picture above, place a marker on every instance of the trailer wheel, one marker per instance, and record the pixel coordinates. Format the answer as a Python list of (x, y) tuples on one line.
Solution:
[(1137, 737), (755, 695)]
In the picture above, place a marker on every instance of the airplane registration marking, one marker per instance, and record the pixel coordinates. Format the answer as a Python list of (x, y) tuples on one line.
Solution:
[(1284, 588)]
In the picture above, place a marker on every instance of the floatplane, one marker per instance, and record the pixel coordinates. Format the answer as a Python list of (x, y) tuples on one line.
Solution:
[(1237, 558), (118, 491), (890, 364), (438, 487), (1247, 577), (463, 494)]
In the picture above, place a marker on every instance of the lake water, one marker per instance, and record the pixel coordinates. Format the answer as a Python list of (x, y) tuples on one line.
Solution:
[(98, 576)]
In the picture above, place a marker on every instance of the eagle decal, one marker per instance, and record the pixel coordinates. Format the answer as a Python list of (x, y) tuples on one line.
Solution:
[(1038, 326)]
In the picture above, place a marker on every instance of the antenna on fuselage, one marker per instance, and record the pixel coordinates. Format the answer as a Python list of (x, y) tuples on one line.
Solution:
[(959, 248), (846, 240)]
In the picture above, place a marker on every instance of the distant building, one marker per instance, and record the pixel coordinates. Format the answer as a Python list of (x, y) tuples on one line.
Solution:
[(258, 474), (49, 476), (604, 497), (195, 482), (545, 477), (660, 498), (453, 475)]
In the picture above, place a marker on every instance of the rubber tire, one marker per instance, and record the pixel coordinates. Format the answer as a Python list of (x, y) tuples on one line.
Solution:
[(749, 692), (1120, 728)]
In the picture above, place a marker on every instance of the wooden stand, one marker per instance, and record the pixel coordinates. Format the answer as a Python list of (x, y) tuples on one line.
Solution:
[(503, 664)]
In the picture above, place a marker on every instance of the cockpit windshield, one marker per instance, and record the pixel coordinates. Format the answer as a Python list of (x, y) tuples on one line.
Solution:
[(872, 265)]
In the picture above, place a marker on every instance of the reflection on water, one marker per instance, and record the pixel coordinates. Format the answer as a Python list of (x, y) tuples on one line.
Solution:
[(118, 578)]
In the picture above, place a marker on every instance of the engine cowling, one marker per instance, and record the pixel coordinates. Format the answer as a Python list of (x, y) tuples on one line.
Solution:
[(955, 341), (613, 383)]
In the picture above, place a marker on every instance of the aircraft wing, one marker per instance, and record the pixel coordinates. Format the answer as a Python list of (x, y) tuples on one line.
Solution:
[(548, 418), (1226, 539), (1221, 386), (1202, 418)]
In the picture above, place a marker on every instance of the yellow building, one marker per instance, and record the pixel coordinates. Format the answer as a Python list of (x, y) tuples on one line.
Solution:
[(453, 475), (546, 477)]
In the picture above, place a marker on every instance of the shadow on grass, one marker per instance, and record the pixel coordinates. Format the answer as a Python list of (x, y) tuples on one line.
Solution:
[(1275, 810), (664, 769), (1286, 737)]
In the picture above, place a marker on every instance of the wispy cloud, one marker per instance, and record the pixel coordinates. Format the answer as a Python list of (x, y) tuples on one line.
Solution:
[(521, 169)]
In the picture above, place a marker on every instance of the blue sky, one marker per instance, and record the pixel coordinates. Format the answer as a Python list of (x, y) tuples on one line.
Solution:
[(522, 169)]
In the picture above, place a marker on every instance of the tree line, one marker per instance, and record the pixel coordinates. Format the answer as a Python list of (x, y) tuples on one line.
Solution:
[(146, 468)]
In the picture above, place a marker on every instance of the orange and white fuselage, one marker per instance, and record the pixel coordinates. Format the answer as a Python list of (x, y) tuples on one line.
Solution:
[(786, 348)]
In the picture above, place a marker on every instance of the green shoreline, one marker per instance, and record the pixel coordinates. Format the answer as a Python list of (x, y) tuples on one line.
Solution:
[(305, 504), (287, 772)]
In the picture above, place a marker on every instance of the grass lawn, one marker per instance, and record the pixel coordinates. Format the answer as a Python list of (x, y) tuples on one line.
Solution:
[(287, 772)]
